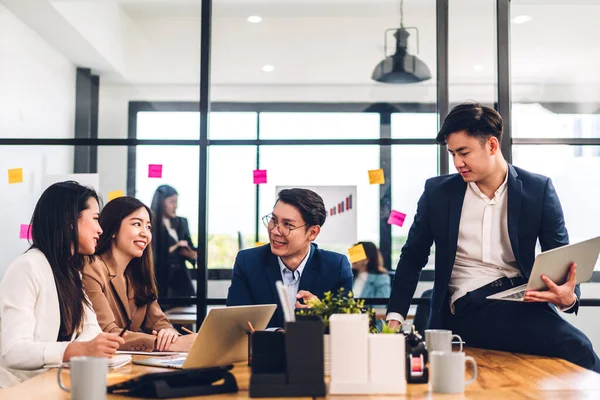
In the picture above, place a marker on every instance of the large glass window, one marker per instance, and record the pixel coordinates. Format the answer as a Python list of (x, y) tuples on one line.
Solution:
[(573, 170), (554, 60), (411, 167), (231, 202), (319, 125)]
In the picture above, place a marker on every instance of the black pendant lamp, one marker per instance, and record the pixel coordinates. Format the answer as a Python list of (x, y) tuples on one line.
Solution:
[(401, 67)]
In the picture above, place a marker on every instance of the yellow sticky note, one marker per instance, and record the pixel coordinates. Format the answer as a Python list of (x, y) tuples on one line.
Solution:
[(258, 244), (376, 177), (113, 195), (15, 175), (357, 253)]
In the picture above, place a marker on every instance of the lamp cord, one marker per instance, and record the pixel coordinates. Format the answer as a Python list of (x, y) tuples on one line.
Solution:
[(401, 13)]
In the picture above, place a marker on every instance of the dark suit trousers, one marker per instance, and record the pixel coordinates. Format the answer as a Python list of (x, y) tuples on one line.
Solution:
[(530, 328)]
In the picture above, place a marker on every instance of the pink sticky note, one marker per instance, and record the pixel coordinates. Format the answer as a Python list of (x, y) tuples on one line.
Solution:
[(155, 171), (25, 232), (260, 176), (396, 218)]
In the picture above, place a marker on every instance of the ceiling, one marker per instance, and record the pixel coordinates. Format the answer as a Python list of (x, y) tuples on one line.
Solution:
[(333, 42)]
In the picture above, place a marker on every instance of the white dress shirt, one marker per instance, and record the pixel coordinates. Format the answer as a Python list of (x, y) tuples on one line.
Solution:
[(172, 232), (483, 252), (291, 279), (359, 283), (30, 320)]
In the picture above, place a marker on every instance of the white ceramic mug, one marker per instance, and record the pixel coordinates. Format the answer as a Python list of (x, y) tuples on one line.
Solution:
[(448, 371), (441, 340), (88, 378)]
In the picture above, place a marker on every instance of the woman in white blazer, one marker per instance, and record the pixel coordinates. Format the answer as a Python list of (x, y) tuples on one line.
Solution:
[(45, 317)]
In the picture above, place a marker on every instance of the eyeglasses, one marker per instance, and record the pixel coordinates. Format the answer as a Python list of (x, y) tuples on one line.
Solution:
[(285, 228)]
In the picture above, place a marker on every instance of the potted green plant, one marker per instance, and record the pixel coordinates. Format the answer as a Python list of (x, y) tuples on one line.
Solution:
[(338, 303), (386, 329)]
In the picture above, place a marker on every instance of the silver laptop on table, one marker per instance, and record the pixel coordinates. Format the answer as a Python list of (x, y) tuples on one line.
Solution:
[(555, 265), (221, 340)]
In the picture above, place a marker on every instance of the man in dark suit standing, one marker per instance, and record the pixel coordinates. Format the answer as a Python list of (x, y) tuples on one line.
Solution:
[(290, 257), (485, 222)]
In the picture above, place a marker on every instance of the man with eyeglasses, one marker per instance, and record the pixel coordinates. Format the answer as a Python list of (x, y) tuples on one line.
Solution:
[(290, 257)]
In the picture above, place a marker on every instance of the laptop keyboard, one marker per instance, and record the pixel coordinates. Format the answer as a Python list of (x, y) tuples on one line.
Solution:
[(518, 295), (177, 360)]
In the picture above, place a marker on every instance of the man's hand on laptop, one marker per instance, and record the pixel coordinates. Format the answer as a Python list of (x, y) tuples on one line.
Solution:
[(562, 296), (303, 298)]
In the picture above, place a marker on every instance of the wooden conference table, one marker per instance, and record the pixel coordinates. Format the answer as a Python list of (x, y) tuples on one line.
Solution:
[(501, 376)]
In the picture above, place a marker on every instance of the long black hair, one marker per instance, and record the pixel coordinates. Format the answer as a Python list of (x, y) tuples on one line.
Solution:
[(140, 270), (158, 206), (159, 235), (55, 233)]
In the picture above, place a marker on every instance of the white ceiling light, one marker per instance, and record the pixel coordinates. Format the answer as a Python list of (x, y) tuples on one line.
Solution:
[(521, 19), (254, 19), (268, 68), (478, 67)]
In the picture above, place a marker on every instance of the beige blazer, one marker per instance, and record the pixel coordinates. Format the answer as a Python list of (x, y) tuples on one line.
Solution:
[(114, 307), (30, 320)]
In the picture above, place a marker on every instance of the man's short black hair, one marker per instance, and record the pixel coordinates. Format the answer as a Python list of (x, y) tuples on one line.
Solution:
[(477, 120), (309, 204)]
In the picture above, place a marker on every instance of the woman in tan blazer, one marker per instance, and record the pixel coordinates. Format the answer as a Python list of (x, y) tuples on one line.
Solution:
[(119, 280)]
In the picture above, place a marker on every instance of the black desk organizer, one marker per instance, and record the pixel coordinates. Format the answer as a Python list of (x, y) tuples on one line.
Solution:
[(289, 364), (183, 383)]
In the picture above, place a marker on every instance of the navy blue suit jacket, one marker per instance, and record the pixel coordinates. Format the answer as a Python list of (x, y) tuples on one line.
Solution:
[(256, 271), (534, 211)]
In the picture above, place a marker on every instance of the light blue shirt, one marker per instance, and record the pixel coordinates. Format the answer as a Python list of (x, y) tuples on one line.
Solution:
[(291, 279)]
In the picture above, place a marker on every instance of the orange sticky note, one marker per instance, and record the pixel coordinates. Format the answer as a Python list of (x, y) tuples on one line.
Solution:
[(15, 175), (258, 244), (357, 253), (376, 177), (114, 194)]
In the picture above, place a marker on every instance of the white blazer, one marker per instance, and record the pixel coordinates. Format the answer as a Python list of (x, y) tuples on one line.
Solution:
[(30, 320)]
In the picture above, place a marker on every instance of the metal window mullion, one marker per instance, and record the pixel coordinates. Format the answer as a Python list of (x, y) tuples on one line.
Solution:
[(443, 99), (504, 89), (205, 52)]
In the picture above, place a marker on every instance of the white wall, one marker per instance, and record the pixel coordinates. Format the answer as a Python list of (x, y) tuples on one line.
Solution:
[(37, 100)]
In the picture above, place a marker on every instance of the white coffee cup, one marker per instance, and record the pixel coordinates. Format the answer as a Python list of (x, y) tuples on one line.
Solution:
[(440, 340), (448, 371), (88, 378)]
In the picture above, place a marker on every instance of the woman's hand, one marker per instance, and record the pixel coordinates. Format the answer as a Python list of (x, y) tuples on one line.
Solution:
[(103, 345), (188, 253), (182, 243), (165, 339), (184, 343)]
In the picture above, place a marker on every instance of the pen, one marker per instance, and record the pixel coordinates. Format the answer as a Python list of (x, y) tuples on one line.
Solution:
[(183, 328), (250, 326), (124, 329)]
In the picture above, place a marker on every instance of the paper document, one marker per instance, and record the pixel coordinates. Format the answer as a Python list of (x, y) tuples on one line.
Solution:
[(115, 361), (118, 360), (286, 307), (152, 353)]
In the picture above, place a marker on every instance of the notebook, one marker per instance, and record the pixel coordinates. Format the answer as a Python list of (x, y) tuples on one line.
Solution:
[(115, 361)]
